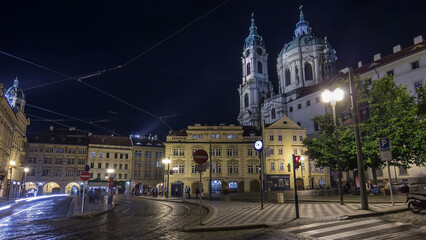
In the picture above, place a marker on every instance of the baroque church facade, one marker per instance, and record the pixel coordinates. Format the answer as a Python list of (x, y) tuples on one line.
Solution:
[(304, 62)]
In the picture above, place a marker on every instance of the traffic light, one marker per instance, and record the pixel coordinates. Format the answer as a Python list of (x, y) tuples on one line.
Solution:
[(296, 161)]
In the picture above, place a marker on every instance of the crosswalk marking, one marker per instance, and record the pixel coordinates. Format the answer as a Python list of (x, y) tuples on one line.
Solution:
[(363, 230), (336, 227)]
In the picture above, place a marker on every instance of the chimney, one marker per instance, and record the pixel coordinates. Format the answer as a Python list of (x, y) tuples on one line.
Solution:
[(377, 57), (418, 39), (359, 64), (397, 48), (51, 128)]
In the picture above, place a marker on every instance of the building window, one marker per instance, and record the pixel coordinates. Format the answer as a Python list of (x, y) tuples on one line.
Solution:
[(218, 169), (179, 168), (246, 100), (45, 172), (216, 152), (99, 165), (106, 165), (295, 151), (249, 152), (115, 155), (259, 67), (57, 173), (250, 169), (308, 71), (287, 77), (308, 103), (158, 164), (298, 123), (291, 109), (232, 152), (272, 166), (379, 172), (148, 154), (120, 166), (271, 137), (271, 151), (107, 155), (294, 138), (147, 173), (59, 161), (389, 73), (178, 152), (32, 160), (81, 151), (280, 151), (280, 137), (232, 169), (47, 161), (418, 85), (301, 138), (126, 166), (126, 156), (120, 176), (316, 127), (281, 166), (248, 68), (121, 156), (92, 165), (193, 169), (299, 106), (231, 136), (273, 113), (100, 154), (302, 152), (148, 164), (98, 175), (93, 154), (81, 161), (414, 65), (403, 171)]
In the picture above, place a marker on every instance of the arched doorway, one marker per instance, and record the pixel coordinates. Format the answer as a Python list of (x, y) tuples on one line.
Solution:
[(30, 189), (254, 186), (51, 188), (299, 183), (241, 186), (72, 188), (216, 186), (233, 187)]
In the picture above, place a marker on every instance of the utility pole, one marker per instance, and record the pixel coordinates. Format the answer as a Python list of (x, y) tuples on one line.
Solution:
[(359, 155)]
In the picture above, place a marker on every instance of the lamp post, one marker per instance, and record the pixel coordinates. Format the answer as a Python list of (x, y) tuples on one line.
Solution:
[(167, 161), (11, 165), (24, 178), (110, 171), (333, 97)]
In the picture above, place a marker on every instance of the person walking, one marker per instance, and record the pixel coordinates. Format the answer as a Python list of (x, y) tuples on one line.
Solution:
[(370, 188), (189, 192)]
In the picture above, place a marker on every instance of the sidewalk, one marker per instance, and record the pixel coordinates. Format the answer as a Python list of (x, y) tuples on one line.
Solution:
[(243, 211), (90, 209)]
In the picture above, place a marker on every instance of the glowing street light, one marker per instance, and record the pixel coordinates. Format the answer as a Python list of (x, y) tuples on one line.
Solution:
[(167, 161), (333, 97)]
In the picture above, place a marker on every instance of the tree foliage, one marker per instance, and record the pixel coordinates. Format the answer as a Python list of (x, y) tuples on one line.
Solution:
[(394, 114)]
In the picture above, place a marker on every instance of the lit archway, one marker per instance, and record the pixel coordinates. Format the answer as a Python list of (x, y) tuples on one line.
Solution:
[(72, 188), (233, 186), (51, 188), (216, 186)]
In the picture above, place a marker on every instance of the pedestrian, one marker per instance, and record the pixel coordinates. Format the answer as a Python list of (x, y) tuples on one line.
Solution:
[(91, 196), (189, 192), (197, 191), (385, 188), (176, 192), (370, 188)]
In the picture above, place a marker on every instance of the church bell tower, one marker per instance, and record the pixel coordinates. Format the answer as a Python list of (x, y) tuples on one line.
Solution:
[(255, 86)]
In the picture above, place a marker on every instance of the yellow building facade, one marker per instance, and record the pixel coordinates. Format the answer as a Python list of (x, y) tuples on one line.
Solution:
[(234, 162), (282, 139)]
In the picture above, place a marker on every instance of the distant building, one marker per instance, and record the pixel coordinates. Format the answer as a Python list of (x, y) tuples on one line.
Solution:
[(12, 139), (235, 164), (56, 158), (283, 138), (147, 166), (110, 152)]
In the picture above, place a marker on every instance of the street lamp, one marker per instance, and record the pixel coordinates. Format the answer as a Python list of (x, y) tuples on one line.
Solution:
[(167, 161), (24, 178), (333, 97), (11, 165), (110, 171)]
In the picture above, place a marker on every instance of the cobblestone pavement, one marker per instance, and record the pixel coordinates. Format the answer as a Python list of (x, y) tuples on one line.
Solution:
[(250, 213)]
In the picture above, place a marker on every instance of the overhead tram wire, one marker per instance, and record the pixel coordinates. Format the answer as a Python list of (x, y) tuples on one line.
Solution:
[(98, 73), (76, 119), (49, 120)]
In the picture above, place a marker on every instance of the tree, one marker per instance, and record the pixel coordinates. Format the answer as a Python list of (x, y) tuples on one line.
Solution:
[(394, 114)]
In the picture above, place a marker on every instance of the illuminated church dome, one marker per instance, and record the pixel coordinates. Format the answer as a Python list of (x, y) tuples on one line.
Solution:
[(15, 96)]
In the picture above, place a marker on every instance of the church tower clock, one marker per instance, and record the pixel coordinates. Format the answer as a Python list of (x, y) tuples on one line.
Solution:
[(255, 86)]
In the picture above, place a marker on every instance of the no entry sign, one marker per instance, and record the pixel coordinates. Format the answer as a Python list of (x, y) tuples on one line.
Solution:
[(85, 176), (201, 156)]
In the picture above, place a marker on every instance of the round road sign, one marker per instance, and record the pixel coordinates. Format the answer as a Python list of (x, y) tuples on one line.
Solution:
[(201, 156), (85, 176)]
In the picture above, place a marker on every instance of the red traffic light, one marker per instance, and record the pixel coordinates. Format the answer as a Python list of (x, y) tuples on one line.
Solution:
[(296, 161)]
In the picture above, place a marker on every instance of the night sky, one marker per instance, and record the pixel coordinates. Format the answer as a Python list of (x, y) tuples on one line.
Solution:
[(193, 75)]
